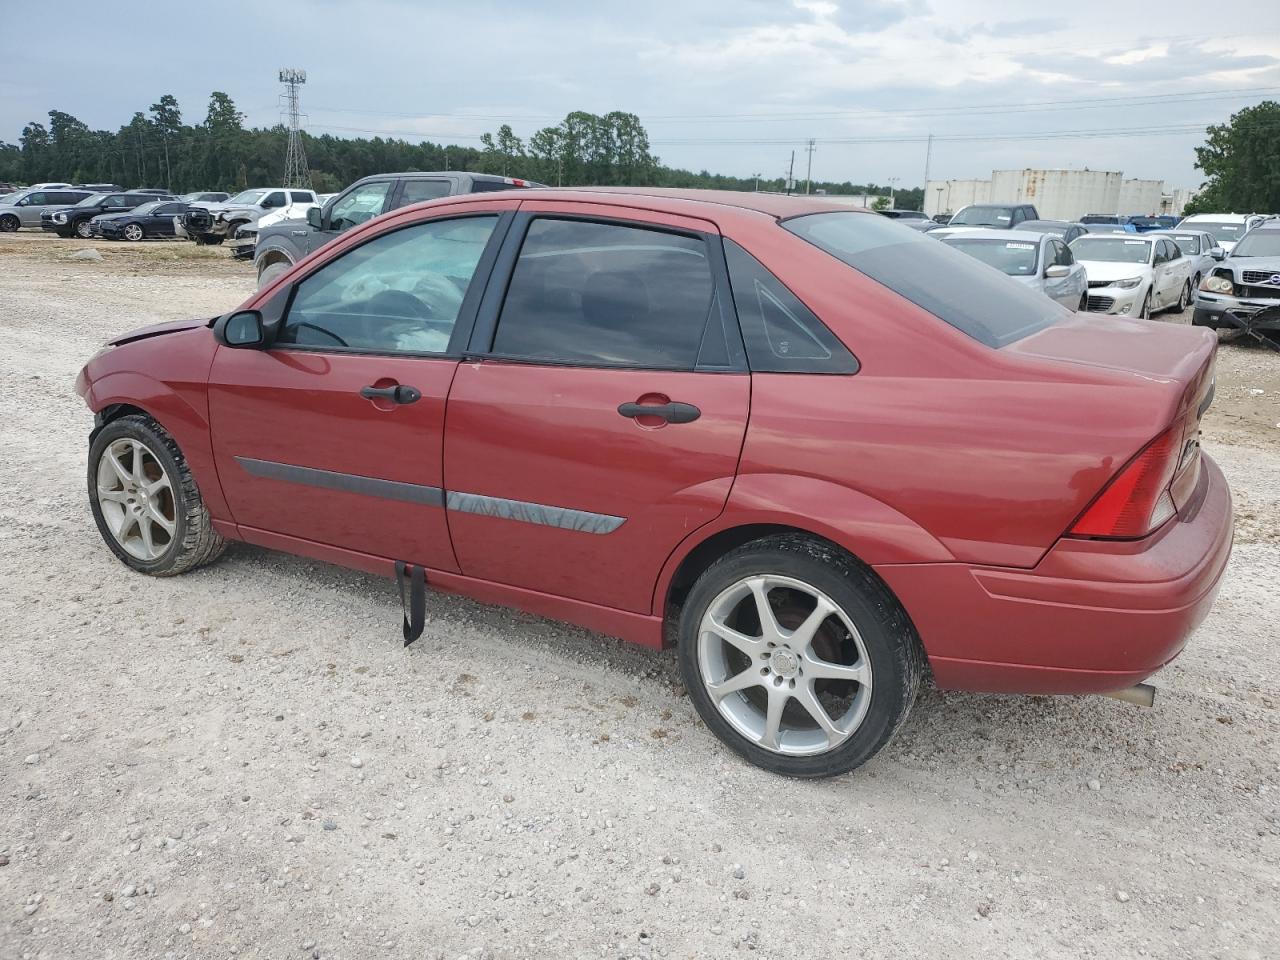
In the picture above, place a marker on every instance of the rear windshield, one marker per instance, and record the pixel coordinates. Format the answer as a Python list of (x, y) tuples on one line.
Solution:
[(991, 308), (1187, 243), (1229, 232), (1015, 257), (1117, 249), (1099, 218), (983, 217)]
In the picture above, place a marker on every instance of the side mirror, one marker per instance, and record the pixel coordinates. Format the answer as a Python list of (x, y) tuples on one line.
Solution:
[(315, 218), (1057, 271), (1218, 253), (242, 329)]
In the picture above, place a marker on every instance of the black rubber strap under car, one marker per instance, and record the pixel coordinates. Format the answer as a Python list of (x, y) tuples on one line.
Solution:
[(412, 581)]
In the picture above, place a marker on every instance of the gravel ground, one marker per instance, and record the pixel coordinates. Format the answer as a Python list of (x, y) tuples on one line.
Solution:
[(243, 761)]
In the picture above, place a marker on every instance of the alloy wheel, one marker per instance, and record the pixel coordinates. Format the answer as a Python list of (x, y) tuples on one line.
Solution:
[(132, 232), (784, 665), (83, 230), (8, 223), (136, 499)]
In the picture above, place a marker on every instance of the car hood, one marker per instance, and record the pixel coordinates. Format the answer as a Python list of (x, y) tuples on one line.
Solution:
[(1106, 271), (1264, 264), (157, 330)]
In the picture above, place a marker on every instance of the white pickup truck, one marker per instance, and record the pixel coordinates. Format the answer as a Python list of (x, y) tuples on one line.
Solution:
[(214, 222)]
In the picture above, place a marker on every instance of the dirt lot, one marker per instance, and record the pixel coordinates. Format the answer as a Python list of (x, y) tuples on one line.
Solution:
[(244, 762)]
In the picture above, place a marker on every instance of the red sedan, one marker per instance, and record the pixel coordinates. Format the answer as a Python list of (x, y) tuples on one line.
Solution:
[(813, 449)]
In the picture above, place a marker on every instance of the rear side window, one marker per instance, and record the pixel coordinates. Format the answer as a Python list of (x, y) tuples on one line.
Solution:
[(603, 294), (991, 308), (489, 186), (301, 196), (415, 191), (781, 334)]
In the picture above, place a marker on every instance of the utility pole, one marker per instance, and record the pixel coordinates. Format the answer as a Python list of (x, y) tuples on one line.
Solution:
[(808, 176), (928, 154), (892, 181), (757, 176), (791, 174), (296, 173)]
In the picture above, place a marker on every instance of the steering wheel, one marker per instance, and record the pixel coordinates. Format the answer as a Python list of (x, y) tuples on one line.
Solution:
[(402, 306)]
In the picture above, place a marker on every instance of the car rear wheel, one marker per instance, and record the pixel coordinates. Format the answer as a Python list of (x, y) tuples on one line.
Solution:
[(146, 502), (132, 231), (83, 230), (9, 223), (1145, 312), (1183, 296), (268, 274), (797, 657)]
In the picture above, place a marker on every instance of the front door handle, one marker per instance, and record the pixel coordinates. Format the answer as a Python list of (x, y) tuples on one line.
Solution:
[(672, 412), (397, 394)]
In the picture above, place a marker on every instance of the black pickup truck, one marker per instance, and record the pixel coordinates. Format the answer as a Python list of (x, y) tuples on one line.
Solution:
[(281, 245)]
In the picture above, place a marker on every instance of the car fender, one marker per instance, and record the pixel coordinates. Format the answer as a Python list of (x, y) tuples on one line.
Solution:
[(868, 528), (272, 249), (185, 418)]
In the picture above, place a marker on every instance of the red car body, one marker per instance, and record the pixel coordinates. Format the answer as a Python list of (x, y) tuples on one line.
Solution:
[(954, 470)]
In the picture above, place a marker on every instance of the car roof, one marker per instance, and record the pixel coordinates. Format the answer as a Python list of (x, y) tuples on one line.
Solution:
[(1050, 223), (690, 202), (1220, 217)]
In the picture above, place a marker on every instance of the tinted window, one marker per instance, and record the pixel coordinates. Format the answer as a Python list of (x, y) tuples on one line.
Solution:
[(399, 292), (781, 334), (1061, 255), (415, 191), (301, 196), (168, 209), (992, 309), (117, 200), (489, 186), (984, 217), (606, 295), (363, 203), (275, 199), (1230, 232), (36, 199), (1099, 218)]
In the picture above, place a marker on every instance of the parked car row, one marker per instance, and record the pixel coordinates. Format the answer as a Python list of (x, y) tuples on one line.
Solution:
[(73, 211)]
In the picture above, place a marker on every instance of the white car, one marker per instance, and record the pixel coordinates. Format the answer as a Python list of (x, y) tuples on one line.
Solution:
[(1133, 276), (1200, 248), (1039, 260), (1226, 228)]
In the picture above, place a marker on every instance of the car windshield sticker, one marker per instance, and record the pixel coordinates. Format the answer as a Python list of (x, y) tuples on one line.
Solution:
[(1135, 241), (1002, 216), (1020, 246)]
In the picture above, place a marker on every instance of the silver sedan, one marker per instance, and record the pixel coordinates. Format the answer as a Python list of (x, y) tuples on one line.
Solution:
[(1039, 260)]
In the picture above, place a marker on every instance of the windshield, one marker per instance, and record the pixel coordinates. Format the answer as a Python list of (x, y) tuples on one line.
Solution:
[(249, 196), (1014, 257), (1230, 232), (980, 303), (1111, 249), (983, 217), (147, 207), (92, 200), (1259, 243), (1187, 243)]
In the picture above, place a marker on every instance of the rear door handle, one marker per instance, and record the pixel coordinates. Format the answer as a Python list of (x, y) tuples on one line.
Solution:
[(397, 394), (672, 412)]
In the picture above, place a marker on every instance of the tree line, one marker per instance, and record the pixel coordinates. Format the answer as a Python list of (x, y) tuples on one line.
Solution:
[(1241, 159), (158, 148)]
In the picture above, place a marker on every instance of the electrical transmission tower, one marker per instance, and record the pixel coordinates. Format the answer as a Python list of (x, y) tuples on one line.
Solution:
[(296, 173)]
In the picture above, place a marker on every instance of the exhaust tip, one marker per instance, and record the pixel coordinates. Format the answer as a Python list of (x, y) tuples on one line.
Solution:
[(1141, 694)]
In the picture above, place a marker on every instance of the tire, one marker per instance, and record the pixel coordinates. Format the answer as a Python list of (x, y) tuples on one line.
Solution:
[(268, 274), (146, 453), (1083, 306), (794, 571), (9, 223), (1145, 312), (1183, 297), (133, 231), (83, 230), (208, 239)]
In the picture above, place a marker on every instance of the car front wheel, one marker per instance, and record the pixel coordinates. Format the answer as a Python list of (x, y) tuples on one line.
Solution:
[(83, 231), (9, 223), (797, 657), (132, 231), (1145, 312), (146, 502), (268, 274)]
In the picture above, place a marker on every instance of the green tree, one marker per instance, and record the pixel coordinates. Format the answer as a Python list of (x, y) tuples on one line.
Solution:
[(880, 203), (1241, 159), (167, 119)]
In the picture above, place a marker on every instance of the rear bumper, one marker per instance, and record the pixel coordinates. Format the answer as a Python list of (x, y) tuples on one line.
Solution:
[(1092, 616)]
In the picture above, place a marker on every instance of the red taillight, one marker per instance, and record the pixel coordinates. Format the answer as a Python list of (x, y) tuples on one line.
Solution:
[(1137, 500)]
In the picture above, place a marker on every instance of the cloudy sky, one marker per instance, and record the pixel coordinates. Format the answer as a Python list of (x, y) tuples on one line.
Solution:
[(727, 85)]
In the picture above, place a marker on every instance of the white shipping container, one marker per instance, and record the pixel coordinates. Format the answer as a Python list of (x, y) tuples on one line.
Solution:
[(948, 196), (1140, 196), (1059, 194)]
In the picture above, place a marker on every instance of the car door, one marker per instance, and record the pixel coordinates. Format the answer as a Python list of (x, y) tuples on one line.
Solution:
[(1066, 290), (560, 480), (334, 434), (160, 220), (30, 208)]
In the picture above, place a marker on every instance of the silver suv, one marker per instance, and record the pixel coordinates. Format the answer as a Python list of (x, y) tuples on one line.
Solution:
[(23, 209), (1243, 291)]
